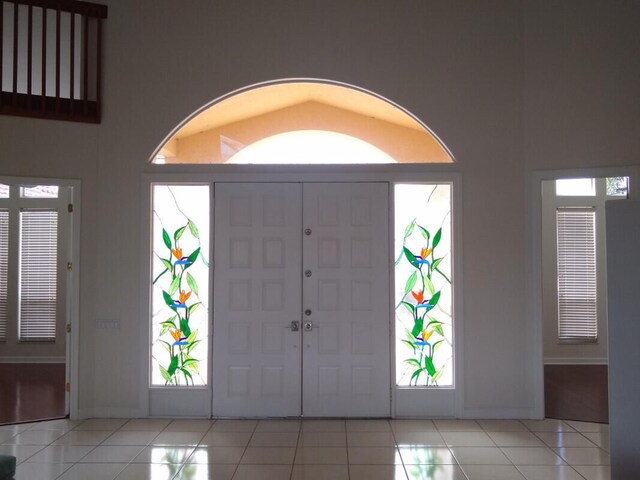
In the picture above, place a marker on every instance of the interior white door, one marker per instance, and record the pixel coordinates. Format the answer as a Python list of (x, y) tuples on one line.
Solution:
[(345, 303), (257, 293)]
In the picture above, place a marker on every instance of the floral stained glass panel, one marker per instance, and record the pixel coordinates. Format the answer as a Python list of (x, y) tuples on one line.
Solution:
[(423, 285), (180, 285)]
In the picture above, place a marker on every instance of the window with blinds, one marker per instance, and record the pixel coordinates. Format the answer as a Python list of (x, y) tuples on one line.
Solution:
[(38, 276), (4, 260), (577, 293)]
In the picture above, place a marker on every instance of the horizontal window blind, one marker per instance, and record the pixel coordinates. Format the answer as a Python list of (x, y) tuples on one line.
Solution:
[(4, 259), (38, 285), (577, 293)]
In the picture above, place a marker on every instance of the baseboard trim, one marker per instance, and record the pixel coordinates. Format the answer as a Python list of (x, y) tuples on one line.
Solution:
[(31, 359), (576, 361)]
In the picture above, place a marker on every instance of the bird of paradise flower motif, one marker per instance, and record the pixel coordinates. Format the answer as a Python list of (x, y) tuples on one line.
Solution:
[(178, 288), (426, 334)]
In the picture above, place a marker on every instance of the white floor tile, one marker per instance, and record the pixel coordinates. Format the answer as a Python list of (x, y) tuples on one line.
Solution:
[(321, 456), (278, 426), (547, 425), (371, 439), (467, 439), (332, 426), (217, 455), (178, 438), (189, 426), (549, 472), (35, 437), (532, 456), (164, 454), (323, 439), (268, 456), (102, 424), (226, 439), (565, 439), (583, 456), (206, 472), (41, 471), (516, 439), (234, 426), (588, 426), (61, 454), (434, 472), (406, 425), (262, 472), (426, 456), (492, 472), (83, 437), (21, 452), (148, 471), (145, 425), (457, 425), (594, 472), (375, 425), (274, 439), (377, 472), (502, 425), (112, 454), (480, 456), (374, 456), (130, 438), (419, 438), (320, 472), (93, 471)]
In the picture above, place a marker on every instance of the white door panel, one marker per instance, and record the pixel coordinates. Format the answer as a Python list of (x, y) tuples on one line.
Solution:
[(346, 300), (256, 357), (313, 253)]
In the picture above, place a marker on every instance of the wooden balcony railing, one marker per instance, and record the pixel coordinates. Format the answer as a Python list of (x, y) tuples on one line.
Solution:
[(51, 59)]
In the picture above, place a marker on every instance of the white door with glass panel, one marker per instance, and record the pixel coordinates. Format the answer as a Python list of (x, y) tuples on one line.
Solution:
[(301, 300)]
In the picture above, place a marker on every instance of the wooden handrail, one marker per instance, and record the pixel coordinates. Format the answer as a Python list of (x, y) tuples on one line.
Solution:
[(69, 63)]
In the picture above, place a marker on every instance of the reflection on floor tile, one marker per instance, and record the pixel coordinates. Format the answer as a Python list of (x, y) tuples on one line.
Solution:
[(336, 449)]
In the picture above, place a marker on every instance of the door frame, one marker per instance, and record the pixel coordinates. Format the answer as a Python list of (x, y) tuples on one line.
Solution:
[(534, 247), (438, 401), (72, 285)]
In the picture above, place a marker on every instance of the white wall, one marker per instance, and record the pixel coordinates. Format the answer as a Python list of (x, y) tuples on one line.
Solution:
[(509, 86), (623, 237)]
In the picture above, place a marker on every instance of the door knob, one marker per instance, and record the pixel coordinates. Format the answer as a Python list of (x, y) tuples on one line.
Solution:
[(307, 273), (307, 312), (308, 326), (307, 231), (294, 326)]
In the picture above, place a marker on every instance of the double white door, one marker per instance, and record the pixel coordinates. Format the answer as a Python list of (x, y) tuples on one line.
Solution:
[(301, 300)]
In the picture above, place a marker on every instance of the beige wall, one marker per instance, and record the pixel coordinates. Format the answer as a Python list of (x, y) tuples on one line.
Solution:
[(509, 86)]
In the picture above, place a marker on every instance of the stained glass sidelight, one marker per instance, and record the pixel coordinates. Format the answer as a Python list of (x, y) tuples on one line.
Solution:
[(423, 285), (180, 285)]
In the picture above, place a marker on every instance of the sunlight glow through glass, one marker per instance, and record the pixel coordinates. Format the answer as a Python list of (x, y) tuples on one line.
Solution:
[(311, 147)]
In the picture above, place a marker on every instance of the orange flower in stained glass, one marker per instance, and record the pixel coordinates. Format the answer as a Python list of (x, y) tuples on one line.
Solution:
[(424, 252), (426, 335), (177, 252), (184, 296), (418, 296), (175, 334)]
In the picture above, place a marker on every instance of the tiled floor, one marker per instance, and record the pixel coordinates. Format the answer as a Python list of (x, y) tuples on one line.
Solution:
[(160, 449)]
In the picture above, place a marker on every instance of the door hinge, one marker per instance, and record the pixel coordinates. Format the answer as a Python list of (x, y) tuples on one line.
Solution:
[(67, 387), (70, 208), (68, 328), (69, 266)]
